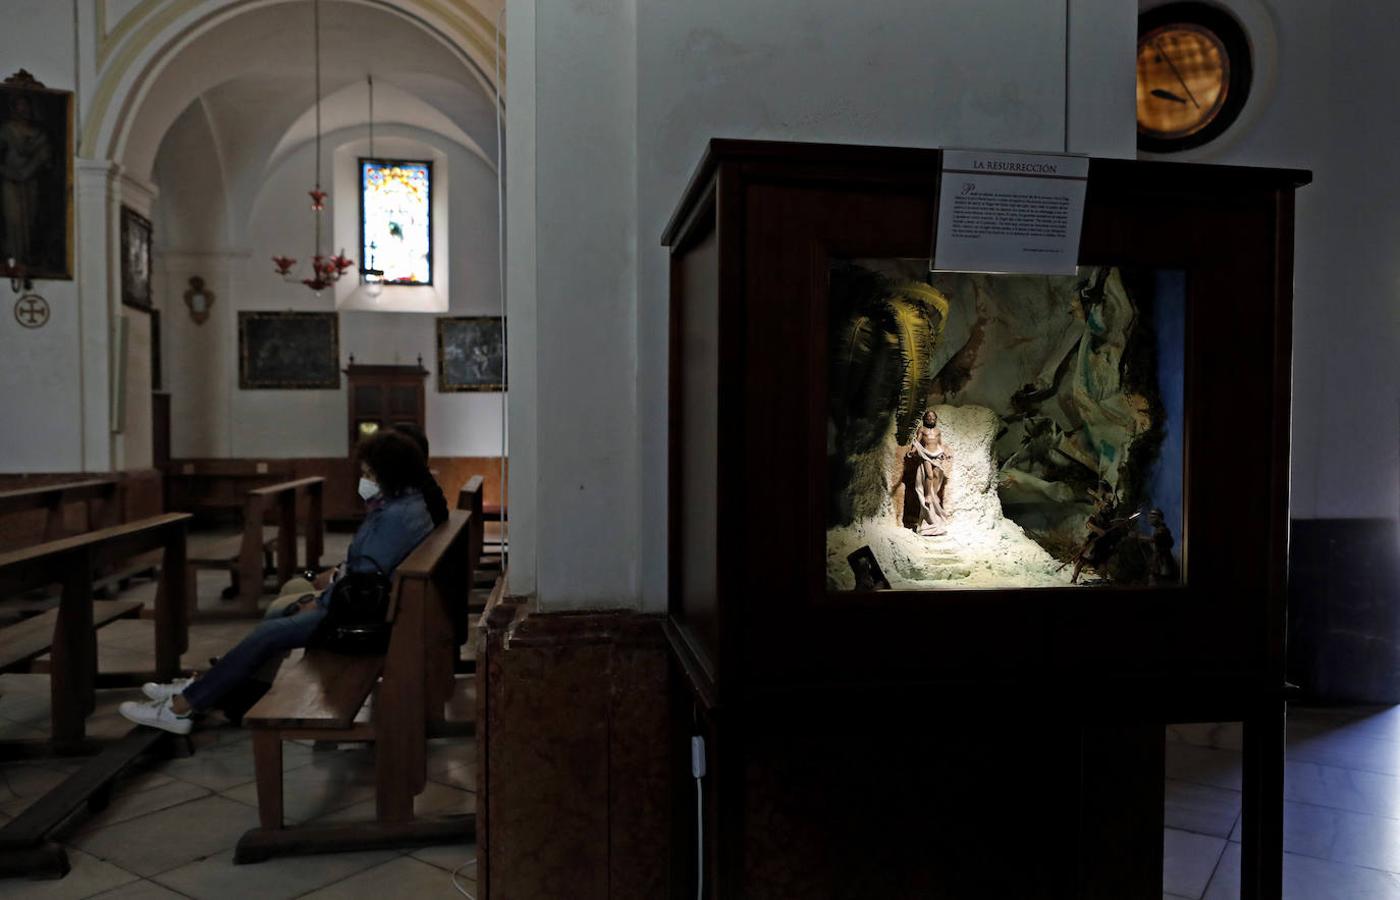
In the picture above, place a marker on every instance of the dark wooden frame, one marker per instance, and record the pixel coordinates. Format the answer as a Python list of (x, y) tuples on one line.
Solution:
[(445, 386), (135, 233), (23, 83), (758, 638), (360, 189), (246, 380)]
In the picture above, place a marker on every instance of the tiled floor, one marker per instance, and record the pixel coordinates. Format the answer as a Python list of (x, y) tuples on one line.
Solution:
[(172, 825), (1341, 807)]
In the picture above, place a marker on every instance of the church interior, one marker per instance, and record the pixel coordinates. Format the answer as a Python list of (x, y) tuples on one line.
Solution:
[(638, 448)]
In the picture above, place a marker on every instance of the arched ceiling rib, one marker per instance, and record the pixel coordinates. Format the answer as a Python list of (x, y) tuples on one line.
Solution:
[(255, 71)]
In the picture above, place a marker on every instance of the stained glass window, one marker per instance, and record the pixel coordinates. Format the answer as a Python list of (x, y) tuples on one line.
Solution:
[(396, 233)]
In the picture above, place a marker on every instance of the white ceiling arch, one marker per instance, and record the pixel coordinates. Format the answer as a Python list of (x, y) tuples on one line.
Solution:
[(202, 45), (348, 108)]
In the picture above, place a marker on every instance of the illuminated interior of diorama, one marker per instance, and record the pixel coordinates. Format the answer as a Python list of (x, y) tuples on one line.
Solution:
[(995, 431)]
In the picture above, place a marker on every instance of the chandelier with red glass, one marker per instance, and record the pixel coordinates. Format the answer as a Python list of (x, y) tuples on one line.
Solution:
[(326, 270)]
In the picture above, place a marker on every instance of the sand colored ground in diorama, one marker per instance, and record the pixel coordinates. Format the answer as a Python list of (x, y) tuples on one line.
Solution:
[(981, 549)]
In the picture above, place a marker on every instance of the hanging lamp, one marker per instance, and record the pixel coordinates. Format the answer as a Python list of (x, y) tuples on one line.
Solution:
[(325, 270)]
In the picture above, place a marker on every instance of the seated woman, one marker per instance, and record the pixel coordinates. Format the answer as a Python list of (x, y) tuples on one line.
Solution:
[(393, 471)]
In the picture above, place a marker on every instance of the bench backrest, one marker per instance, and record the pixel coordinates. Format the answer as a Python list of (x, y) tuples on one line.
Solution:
[(52, 499), (282, 487), (431, 588), (31, 567), (49, 495)]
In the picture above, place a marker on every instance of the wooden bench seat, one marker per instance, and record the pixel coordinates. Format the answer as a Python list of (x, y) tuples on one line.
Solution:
[(32, 637), (321, 690), (411, 690)]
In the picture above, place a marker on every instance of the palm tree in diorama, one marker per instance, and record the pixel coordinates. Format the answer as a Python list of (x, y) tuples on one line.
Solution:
[(884, 335)]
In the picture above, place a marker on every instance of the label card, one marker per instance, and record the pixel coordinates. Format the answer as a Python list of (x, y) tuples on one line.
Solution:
[(1009, 212)]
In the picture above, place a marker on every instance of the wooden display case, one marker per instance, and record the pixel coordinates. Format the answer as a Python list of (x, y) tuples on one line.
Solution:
[(764, 650), (383, 396)]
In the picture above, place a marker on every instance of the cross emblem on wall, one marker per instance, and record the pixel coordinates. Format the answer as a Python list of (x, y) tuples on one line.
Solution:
[(32, 311)]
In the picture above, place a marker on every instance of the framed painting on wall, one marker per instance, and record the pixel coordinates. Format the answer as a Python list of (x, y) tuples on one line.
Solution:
[(36, 190), (288, 350), (471, 353), (136, 259)]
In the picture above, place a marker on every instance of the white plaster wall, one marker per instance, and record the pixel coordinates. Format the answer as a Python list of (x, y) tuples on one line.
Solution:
[(41, 405), (1326, 108), (577, 309), (212, 416)]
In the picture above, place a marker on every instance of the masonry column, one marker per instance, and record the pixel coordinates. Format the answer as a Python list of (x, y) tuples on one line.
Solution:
[(97, 236)]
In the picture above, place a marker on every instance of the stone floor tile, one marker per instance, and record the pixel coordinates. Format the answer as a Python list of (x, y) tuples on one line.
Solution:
[(128, 634), (23, 783), (24, 698), (1201, 808), (1362, 840), (401, 877), (170, 838), (1344, 748), (1188, 861), (217, 878), (450, 857), (1220, 735), (128, 804), (331, 781), (435, 800), (140, 890), (1306, 878), (88, 876), (1204, 765), (125, 659), (1349, 789), (1310, 830), (224, 766), (14, 731)]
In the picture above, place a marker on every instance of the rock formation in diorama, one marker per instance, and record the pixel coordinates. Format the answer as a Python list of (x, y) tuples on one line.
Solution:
[(1022, 398), (977, 547)]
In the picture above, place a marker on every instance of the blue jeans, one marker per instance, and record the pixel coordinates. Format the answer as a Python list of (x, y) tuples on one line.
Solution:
[(269, 641)]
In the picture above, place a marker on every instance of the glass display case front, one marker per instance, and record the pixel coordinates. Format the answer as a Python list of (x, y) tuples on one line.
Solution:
[(1004, 431)]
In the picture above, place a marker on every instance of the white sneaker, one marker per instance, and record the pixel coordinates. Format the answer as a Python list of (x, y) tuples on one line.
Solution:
[(157, 714), (157, 691)]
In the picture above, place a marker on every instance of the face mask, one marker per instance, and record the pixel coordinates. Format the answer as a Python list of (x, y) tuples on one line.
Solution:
[(368, 489)]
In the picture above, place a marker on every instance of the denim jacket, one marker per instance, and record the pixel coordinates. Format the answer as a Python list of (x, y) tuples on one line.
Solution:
[(393, 527)]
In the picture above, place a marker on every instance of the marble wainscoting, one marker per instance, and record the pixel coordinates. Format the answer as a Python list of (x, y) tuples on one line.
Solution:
[(574, 765), (1343, 621)]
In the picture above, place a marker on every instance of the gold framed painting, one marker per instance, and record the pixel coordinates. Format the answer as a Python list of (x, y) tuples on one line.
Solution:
[(288, 350), (36, 177), (471, 353)]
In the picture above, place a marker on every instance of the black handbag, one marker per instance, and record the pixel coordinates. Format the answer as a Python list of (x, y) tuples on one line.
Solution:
[(357, 613)]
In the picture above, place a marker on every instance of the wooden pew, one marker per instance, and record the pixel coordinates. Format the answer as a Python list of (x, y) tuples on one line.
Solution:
[(245, 555), (470, 499), (98, 494), (323, 697), (68, 633)]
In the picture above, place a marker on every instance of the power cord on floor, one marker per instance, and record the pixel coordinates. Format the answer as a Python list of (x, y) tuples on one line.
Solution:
[(458, 885), (697, 769)]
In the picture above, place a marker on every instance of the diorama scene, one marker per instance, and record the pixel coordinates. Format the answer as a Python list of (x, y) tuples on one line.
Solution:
[(993, 431)]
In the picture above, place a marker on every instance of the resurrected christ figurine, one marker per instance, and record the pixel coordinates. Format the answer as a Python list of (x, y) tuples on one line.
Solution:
[(925, 476)]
